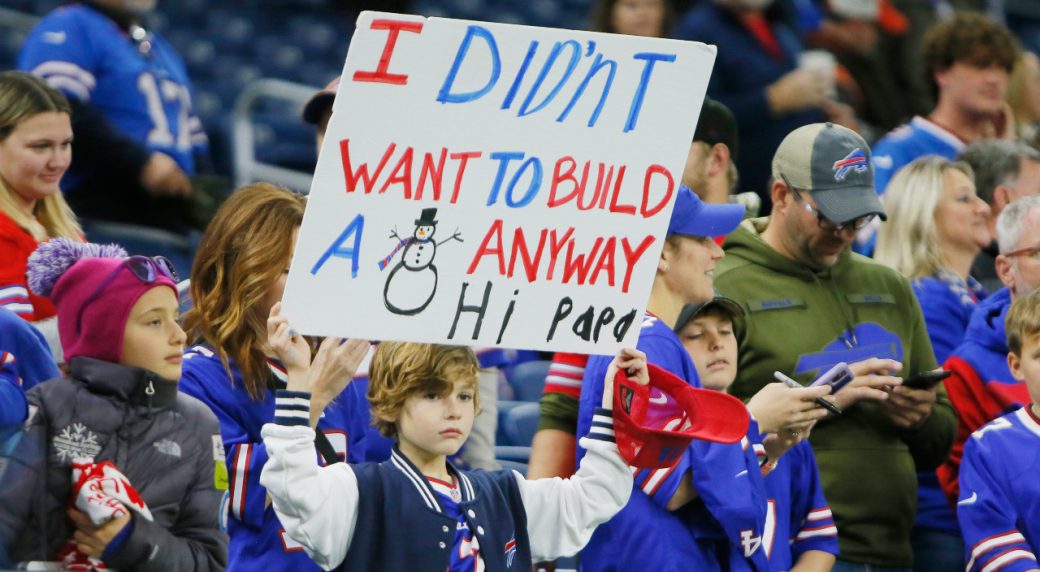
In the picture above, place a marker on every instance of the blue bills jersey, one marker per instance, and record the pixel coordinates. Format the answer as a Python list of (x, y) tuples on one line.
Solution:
[(999, 506), (721, 529), (258, 541), (797, 519), (465, 554), (894, 151), (139, 84)]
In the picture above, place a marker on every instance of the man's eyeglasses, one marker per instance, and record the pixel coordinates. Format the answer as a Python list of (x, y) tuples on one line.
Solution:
[(824, 222), (143, 268), (1030, 251)]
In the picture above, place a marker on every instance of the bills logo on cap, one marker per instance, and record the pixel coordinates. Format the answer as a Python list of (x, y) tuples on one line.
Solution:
[(854, 161), (626, 398)]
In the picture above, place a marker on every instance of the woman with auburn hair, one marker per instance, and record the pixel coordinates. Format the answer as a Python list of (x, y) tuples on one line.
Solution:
[(650, 18), (936, 226), (35, 152), (238, 276)]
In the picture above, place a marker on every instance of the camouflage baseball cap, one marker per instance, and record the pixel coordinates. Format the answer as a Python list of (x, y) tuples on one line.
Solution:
[(832, 163)]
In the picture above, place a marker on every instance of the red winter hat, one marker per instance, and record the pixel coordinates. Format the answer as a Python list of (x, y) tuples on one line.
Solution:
[(94, 287), (654, 423)]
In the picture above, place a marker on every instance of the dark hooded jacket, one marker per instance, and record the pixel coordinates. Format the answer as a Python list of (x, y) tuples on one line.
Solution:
[(166, 443), (801, 322)]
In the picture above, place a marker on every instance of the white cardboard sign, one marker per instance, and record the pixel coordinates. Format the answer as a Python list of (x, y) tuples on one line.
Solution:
[(495, 185)]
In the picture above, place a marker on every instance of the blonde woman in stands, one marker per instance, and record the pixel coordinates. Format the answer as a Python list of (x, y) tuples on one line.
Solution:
[(936, 226), (35, 152)]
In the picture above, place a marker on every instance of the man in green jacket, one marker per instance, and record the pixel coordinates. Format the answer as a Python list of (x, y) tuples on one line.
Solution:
[(811, 303)]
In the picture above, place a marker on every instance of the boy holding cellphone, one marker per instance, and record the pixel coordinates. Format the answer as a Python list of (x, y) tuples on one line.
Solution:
[(416, 511), (800, 532), (999, 492)]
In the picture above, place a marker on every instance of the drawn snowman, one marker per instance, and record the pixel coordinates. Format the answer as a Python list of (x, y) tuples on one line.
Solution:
[(412, 282)]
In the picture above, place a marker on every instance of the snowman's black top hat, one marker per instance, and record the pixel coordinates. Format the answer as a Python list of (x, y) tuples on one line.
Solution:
[(427, 218)]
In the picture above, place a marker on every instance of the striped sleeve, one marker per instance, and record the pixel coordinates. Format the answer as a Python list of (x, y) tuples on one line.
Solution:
[(809, 506), (246, 498), (602, 425), (566, 373), (819, 523), (988, 517), (60, 51), (15, 298), (292, 407)]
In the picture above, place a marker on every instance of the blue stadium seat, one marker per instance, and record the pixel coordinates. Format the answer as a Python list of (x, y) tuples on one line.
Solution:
[(513, 466), (519, 425), (145, 241), (528, 379)]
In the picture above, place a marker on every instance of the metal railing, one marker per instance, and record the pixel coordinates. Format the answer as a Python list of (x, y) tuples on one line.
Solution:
[(247, 167)]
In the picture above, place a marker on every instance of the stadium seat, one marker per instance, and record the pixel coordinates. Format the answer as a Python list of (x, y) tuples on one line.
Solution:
[(528, 379), (145, 241), (519, 424), (513, 466), (512, 453)]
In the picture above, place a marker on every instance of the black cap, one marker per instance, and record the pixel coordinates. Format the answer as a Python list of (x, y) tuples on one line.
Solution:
[(319, 102), (717, 125), (691, 311)]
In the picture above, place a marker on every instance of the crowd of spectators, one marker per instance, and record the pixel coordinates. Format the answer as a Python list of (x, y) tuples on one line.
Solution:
[(861, 195)]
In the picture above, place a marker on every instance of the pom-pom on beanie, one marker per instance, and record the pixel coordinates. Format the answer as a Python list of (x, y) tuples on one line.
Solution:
[(91, 322)]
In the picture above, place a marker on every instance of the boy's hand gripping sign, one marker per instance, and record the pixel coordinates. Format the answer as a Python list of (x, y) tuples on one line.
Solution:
[(495, 185)]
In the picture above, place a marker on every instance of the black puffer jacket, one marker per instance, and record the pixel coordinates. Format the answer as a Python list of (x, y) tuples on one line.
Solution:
[(166, 443)]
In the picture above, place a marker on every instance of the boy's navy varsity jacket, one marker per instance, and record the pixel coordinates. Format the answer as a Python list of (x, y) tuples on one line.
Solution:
[(386, 517)]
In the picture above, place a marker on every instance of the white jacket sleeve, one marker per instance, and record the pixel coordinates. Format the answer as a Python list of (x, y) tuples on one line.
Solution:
[(562, 514), (318, 506)]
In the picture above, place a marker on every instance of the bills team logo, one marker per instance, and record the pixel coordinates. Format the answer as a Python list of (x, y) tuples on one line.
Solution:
[(626, 398), (510, 551), (854, 161)]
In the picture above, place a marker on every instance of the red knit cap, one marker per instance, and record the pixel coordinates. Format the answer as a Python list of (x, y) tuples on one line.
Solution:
[(91, 323)]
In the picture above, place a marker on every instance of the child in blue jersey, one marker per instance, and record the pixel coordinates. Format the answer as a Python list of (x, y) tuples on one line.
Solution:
[(799, 529), (238, 275), (417, 511), (999, 506)]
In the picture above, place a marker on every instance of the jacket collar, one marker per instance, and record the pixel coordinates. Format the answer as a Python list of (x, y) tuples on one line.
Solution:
[(134, 385), (423, 487), (746, 244), (986, 326)]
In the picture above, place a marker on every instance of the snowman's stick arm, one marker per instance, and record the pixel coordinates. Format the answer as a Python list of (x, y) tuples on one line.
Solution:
[(452, 237)]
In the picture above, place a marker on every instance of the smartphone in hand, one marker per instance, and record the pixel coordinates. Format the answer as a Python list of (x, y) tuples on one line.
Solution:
[(926, 379), (837, 377)]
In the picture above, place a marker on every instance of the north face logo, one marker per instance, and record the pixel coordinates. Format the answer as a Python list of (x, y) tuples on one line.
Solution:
[(168, 447)]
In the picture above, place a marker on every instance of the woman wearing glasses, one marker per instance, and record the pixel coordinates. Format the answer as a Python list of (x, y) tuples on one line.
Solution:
[(238, 277), (35, 151), (937, 225), (115, 466)]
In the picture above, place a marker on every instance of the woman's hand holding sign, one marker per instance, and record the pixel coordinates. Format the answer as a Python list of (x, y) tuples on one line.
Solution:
[(327, 375)]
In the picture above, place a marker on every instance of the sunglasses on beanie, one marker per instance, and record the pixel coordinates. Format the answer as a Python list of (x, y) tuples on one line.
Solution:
[(146, 269)]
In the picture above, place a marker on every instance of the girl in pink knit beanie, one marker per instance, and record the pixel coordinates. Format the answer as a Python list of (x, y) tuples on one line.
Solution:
[(120, 408)]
